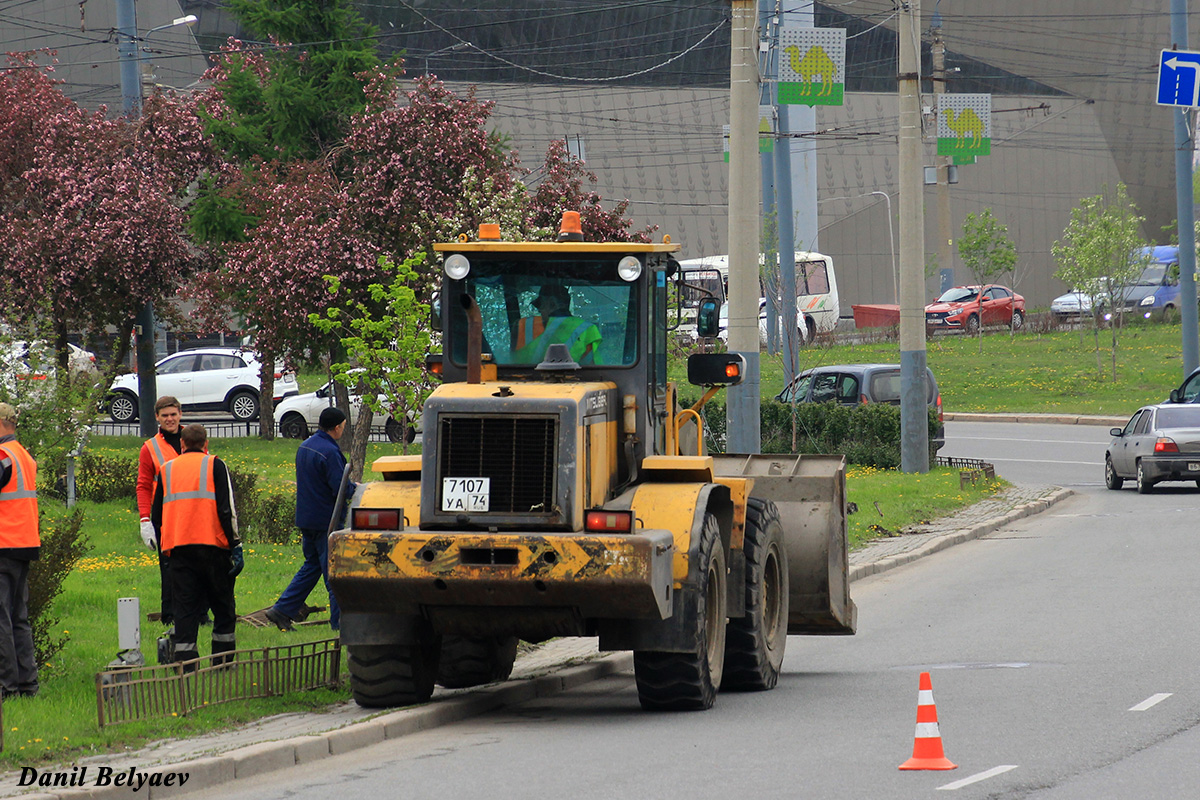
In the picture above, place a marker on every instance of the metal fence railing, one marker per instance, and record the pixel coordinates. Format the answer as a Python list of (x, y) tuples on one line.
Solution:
[(970, 470), (138, 693), (216, 430)]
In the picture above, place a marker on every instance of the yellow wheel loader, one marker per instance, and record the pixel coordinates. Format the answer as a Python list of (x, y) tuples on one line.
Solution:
[(562, 491)]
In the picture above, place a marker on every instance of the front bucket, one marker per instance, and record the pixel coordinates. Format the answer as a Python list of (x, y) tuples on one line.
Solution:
[(810, 492)]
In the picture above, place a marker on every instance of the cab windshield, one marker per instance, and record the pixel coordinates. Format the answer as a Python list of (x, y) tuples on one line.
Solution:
[(528, 304)]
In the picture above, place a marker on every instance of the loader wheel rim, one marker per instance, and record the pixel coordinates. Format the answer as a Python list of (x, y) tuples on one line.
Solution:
[(714, 618), (772, 597)]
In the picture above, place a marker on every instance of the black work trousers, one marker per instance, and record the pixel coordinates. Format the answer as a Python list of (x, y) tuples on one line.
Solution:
[(200, 580), (18, 672)]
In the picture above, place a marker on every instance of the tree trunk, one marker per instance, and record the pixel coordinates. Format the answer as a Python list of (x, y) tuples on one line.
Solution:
[(341, 395), (358, 443), (1113, 328), (266, 397)]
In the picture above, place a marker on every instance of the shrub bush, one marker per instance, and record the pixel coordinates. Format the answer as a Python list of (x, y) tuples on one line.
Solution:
[(867, 434), (62, 547), (265, 517)]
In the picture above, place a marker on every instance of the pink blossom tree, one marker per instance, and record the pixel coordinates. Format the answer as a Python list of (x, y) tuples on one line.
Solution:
[(91, 226), (562, 189)]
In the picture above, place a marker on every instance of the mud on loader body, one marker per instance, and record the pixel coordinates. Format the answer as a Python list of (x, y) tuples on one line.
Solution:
[(552, 498)]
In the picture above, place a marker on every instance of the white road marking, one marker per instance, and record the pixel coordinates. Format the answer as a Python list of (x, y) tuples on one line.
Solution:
[(982, 776), (1151, 701)]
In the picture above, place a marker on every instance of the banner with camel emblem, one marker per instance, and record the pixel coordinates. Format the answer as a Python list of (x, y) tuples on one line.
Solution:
[(812, 66), (766, 132), (964, 125)]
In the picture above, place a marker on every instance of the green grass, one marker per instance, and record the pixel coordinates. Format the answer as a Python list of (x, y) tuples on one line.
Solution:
[(889, 501), (61, 723), (1052, 372)]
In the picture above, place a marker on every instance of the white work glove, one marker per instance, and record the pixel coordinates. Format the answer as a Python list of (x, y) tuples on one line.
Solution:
[(148, 537)]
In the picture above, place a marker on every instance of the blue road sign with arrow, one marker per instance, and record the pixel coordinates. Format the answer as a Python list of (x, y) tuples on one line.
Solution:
[(1179, 78)]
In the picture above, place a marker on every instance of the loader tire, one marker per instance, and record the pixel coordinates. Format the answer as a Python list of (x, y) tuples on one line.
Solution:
[(754, 643), (467, 661), (382, 676), (689, 681)]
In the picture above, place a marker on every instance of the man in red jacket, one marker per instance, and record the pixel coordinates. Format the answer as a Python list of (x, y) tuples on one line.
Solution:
[(157, 451)]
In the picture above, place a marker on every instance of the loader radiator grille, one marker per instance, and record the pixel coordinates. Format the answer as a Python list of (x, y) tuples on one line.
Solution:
[(516, 453)]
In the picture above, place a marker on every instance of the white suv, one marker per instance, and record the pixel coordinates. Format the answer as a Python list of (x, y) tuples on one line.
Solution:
[(298, 416), (204, 379)]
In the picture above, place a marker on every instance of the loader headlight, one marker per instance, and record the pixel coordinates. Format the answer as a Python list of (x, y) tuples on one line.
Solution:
[(457, 266), (629, 268)]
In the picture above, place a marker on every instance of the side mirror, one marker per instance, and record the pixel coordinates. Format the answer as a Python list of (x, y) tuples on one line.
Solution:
[(324, 391), (1174, 398), (435, 312), (716, 369), (1117, 432), (708, 318)]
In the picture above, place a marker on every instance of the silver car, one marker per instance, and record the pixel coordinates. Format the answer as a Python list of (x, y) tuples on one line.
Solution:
[(1159, 443)]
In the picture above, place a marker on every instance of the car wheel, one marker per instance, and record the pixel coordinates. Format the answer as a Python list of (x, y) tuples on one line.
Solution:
[(1144, 486), (1168, 313), (123, 408), (1111, 479), (394, 431), (244, 406), (972, 325), (1018, 319), (293, 426)]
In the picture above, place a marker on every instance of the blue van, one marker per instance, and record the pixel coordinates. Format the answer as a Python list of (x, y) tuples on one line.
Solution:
[(1156, 291)]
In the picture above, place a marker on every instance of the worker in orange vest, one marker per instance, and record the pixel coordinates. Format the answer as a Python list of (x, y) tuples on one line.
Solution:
[(555, 325), (195, 518), (155, 452), (19, 545)]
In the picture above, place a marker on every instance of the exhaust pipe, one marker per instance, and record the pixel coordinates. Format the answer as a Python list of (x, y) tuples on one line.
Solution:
[(474, 339)]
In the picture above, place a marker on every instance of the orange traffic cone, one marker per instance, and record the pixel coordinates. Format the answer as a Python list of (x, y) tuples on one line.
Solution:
[(927, 747)]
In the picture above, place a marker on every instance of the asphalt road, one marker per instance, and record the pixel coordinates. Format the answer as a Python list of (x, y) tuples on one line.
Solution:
[(1059, 649)]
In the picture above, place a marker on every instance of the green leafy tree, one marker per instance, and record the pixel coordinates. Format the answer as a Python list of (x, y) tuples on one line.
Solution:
[(273, 113), (987, 252), (1098, 256), (386, 341)]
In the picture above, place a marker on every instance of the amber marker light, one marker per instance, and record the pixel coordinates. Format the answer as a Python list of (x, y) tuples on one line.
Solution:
[(732, 370), (603, 521)]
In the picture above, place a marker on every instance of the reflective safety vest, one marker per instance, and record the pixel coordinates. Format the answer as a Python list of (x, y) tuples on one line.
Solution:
[(189, 509), (18, 500), (534, 338), (160, 451)]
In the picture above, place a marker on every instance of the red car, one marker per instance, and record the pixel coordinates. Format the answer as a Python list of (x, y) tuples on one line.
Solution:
[(961, 309)]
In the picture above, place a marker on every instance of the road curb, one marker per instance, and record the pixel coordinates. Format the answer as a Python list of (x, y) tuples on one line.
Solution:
[(265, 757)]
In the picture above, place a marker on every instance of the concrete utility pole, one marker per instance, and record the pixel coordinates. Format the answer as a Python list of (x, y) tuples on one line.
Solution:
[(131, 95), (914, 424), (945, 240), (1184, 212), (743, 422)]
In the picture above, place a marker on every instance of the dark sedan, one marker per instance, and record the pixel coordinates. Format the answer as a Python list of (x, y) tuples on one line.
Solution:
[(1159, 443)]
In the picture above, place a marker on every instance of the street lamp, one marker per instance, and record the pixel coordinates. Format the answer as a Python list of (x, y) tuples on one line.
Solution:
[(130, 58), (892, 247), (451, 48)]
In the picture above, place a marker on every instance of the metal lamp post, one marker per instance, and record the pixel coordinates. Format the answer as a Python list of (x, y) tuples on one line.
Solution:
[(130, 59), (451, 48)]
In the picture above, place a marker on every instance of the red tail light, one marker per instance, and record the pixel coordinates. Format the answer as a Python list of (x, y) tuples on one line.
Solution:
[(1165, 445), (601, 521), (376, 519), (862, 398), (939, 407)]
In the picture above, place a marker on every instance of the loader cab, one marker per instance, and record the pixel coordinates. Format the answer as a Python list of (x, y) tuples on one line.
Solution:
[(607, 302)]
